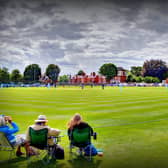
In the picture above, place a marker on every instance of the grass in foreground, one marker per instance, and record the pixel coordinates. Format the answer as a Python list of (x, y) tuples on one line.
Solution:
[(132, 123)]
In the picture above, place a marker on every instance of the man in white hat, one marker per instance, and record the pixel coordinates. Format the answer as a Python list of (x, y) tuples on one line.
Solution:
[(39, 124)]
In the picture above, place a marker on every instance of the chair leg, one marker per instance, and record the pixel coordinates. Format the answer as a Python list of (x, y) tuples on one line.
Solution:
[(71, 153), (51, 152), (12, 153), (90, 154), (70, 148), (49, 155)]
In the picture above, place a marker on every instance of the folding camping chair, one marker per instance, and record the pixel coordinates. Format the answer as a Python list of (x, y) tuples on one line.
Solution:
[(81, 138), (39, 140), (5, 145)]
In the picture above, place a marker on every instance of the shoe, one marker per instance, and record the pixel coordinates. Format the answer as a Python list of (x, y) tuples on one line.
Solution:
[(18, 153), (32, 151), (100, 154)]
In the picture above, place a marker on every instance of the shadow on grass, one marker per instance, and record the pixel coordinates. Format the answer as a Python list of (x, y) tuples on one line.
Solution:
[(40, 164), (37, 162), (80, 161), (14, 160), (9, 163)]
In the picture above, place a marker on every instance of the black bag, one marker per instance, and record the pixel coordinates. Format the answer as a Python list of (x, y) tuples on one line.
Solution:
[(58, 152)]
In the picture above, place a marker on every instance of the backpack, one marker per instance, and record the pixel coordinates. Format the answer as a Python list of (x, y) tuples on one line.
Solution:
[(58, 152)]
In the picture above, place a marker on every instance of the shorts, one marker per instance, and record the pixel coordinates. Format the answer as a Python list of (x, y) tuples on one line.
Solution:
[(20, 140)]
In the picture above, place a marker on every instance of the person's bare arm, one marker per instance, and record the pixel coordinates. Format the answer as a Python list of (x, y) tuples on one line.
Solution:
[(53, 132)]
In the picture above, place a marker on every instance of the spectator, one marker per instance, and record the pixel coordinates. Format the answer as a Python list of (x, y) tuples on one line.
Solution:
[(41, 123), (76, 122), (18, 140)]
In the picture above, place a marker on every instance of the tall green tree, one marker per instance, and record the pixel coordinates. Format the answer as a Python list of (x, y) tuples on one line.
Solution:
[(109, 70), (81, 72), (155, 68), (16, 76), (165, 75), (4, 75), (52, 71), (136, 70), (32, 73)]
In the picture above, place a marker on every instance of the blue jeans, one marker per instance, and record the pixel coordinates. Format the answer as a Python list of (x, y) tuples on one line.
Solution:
[(92, 148)]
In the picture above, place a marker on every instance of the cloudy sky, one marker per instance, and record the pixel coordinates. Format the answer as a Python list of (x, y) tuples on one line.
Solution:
[(82, 34)]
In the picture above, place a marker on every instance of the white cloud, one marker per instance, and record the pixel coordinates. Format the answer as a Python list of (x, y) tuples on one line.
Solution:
[(81, 36)]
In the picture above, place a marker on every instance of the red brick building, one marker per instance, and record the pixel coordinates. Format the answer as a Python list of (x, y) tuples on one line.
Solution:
[(87, 79), (98, 79), (121, 75)]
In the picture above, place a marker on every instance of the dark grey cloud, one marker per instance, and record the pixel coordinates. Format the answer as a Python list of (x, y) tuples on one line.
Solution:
[(82, 34), (50, 50)]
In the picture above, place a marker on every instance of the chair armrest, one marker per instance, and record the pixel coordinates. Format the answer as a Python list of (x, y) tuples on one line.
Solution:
[(95, 135), (56, 138)]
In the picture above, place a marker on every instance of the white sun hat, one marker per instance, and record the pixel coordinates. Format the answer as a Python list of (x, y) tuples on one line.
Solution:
[(41, 118)]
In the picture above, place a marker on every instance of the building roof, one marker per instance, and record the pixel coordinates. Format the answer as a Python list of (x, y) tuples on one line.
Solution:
[(120, 69)]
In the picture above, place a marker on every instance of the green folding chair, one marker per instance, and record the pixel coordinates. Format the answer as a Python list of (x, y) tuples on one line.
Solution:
[(5, 145), (39, 140), (81, 138)]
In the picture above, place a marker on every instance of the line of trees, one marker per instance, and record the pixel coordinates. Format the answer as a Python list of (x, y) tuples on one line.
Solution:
[(152, 71), (31, 74)]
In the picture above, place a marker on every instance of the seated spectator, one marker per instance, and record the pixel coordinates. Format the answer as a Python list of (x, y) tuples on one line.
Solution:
[(76, 122), (41, 123), (18, 140)]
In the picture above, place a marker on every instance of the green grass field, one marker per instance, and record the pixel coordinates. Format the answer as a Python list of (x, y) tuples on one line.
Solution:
[(132, 124)]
